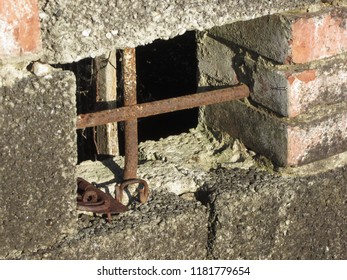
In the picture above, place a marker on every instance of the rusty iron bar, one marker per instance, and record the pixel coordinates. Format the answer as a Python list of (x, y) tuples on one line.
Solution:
[(130, 127), (162, 106)]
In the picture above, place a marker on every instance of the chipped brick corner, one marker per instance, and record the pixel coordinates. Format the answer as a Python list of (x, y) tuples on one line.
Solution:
[(19, 29), (295, 65)]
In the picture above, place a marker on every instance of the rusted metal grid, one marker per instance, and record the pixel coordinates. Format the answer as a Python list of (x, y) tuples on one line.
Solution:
[(132, 111)]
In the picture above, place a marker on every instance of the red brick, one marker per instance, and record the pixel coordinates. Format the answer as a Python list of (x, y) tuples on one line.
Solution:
[(316, 135), (291, 38), (319, 35), (19, 28), (293, 90)]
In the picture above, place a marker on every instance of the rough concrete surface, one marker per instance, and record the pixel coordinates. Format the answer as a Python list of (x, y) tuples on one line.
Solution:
[(174, 225), (256, 215), (72, 30), (167, 227), (214, 62), (38, 158)]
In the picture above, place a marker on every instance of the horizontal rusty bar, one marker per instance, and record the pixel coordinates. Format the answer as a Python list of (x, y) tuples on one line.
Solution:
[(161, 106)]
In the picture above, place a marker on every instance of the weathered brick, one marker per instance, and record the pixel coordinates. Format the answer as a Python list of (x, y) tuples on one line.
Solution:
[(287, 141), (19, 28), (291, 37), (291, 90), (214, 67)]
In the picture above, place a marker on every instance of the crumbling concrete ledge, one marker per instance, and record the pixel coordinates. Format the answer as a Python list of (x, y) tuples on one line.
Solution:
[(101, 25), (167, 227)]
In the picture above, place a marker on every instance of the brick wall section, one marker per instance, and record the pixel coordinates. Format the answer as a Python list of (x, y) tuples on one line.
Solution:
[(19, 28), (317, 35), (291, 90), (286, 141), (292, 37), (295, 65)]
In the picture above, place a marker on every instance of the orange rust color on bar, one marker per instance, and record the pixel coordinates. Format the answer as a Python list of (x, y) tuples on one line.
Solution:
[(130, 127), (162, 106)]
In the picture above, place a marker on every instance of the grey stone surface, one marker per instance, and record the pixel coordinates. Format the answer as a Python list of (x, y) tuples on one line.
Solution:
[(167, 227), (256, 215), (38, 158), (215, 58), (72, 30)]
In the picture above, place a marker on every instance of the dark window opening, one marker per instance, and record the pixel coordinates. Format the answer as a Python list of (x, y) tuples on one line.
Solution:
[(165, 69), (85, 102)]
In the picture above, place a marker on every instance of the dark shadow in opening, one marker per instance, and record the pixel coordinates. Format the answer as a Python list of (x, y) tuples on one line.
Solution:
[(166, 69), (85, 100)]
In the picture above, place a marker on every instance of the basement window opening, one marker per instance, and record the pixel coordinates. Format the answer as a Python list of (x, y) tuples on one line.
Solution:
[(165, 69)]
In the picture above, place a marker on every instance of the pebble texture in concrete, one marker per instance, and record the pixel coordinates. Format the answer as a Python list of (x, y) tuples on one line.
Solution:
[(167, 227), (256, 215), (176, 226), (72, 30), (38, 157)]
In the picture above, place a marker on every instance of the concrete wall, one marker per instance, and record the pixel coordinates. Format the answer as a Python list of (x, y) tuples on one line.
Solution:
[(38, 161), (38, 112), (259, 216), (101, 25)]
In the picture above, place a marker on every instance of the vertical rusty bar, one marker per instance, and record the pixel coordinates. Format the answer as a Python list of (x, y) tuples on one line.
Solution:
[(130, 132)]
